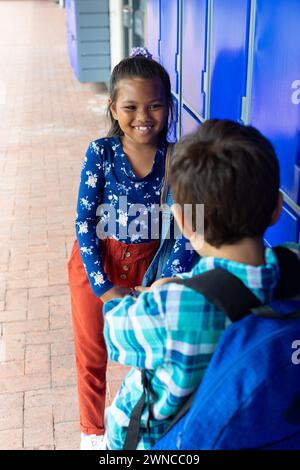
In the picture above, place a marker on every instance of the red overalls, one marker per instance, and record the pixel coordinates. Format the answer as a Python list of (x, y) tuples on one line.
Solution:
[(125, 266)]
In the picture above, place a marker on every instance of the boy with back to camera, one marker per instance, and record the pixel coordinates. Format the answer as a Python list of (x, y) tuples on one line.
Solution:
[(171, 331)]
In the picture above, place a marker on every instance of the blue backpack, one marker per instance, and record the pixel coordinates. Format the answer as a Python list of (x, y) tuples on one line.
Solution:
[(250, 395)]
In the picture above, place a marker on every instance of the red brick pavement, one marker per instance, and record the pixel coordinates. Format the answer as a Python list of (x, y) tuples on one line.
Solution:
[(47, 120)]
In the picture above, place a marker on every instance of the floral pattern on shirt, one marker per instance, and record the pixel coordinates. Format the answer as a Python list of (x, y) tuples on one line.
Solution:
[(106, 179)]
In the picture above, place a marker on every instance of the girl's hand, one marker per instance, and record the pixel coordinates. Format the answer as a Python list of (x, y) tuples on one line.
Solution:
[(142, 289), (157, 283), (162, 281), (115, 292)]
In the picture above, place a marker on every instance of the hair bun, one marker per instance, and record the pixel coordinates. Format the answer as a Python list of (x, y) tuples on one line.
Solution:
[(140, 51)]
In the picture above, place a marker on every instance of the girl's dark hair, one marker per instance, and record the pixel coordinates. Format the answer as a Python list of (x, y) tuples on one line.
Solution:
[(139, 67)]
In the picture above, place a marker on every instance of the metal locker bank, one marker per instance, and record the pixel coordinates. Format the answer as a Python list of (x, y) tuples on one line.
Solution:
[(238, 60)]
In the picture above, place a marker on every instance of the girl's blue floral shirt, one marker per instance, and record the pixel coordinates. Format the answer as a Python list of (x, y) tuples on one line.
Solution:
[(114, 202)]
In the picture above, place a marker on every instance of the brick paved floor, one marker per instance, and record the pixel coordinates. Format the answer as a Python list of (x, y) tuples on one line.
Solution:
[(47, 120)]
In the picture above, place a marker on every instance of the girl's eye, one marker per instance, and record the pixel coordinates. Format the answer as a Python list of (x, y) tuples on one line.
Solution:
[(155, 106), (130, 108)]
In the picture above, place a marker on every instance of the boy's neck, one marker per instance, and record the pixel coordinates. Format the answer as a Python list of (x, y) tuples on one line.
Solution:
[(247, 251)]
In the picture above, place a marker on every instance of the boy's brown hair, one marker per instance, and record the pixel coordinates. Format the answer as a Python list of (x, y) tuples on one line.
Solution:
[(233, 170)]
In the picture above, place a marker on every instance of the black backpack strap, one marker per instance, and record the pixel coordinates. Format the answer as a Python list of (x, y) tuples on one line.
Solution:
[(271, 310), (289, 282), (185, 408), (224, 290), (133, 430), (288, 286)]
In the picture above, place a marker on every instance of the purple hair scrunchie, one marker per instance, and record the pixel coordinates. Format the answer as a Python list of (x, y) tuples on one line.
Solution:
[(140, 51)]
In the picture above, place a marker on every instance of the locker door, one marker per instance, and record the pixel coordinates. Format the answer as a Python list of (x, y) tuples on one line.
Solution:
[(169, 44), (153, 14), (275, 107), (194, 63), (286, 228), (230, 21), (189, 122)]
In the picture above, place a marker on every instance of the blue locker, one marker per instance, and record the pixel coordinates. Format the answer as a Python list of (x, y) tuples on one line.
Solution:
[(189, 122), (194, 60), (169, 39), (286, 229), (275, 106), (230, 21), (153, 34)]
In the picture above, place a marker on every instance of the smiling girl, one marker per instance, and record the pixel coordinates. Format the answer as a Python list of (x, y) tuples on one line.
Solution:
[(129, 164)]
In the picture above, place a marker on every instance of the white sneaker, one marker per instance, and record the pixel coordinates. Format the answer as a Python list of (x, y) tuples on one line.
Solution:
[(92, 442)]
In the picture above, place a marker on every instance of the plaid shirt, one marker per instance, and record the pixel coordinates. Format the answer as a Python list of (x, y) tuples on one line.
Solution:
[(172, 332)]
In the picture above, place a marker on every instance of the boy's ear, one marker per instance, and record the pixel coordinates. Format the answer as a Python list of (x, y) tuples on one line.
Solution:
[(277, 211), (182, 222)]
